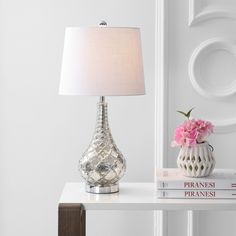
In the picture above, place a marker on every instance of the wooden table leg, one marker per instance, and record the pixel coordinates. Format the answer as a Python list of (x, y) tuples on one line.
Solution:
[(71, 220)]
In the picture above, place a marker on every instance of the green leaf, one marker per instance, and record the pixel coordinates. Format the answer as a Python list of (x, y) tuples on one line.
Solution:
[(181, 112), (189, 112), (186, 114)]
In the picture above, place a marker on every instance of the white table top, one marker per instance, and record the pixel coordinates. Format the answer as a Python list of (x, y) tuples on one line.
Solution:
[(137, 196)]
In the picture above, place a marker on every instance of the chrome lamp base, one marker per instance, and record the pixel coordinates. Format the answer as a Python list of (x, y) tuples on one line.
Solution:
[(102, 189)]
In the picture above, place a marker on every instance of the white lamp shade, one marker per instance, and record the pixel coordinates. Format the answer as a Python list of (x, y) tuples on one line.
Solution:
[(102, 61)]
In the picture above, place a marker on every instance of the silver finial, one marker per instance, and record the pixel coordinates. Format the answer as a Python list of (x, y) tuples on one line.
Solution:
[(103, 23)]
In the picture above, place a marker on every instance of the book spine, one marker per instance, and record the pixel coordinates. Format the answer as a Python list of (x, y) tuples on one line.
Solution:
[(197, 194), (197, 184)]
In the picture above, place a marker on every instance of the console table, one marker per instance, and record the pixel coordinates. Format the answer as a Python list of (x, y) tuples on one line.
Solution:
[(74, 203)]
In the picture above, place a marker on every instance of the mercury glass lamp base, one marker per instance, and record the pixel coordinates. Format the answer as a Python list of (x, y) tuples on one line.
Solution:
[(102, 189)]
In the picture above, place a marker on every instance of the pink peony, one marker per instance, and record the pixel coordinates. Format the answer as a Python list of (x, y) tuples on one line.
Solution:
[(192, 132)]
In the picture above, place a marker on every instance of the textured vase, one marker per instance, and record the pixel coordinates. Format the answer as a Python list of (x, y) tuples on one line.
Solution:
[(197, 161), (102, 164)]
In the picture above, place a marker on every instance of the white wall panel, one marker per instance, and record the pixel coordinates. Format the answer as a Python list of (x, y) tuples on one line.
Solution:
[(203, 10), (201, 73)]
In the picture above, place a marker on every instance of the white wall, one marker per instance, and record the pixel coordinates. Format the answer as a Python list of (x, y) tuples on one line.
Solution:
[(217, 70), (42, 134)]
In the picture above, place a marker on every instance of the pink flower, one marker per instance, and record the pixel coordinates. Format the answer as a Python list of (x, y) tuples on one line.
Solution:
[(192, 132)]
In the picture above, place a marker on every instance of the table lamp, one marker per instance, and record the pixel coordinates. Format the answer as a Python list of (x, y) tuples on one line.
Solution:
[(102, 61)]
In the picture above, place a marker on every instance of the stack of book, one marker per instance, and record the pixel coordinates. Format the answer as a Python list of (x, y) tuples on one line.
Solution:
[(221, 184)]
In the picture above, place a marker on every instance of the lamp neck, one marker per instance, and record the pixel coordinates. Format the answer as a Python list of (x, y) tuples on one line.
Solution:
[(102, 99), (102, 117)]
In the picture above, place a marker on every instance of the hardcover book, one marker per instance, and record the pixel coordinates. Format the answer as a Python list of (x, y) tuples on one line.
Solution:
[(168, 178), (197, 194)]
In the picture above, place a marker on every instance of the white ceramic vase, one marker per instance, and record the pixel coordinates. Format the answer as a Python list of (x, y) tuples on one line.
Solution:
[(197, 161)]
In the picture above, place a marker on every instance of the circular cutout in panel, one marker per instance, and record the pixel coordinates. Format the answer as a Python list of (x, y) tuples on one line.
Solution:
[(212, 68)]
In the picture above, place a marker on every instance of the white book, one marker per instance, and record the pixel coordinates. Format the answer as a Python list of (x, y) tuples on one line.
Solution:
[(172, 178), (196, 194)]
